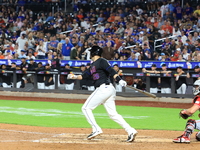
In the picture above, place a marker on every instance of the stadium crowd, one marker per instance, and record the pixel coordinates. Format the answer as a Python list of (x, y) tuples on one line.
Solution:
[(125, 31), (24, 34)]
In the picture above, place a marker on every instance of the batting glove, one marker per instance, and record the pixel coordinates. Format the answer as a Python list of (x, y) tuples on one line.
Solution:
[(122, 83)]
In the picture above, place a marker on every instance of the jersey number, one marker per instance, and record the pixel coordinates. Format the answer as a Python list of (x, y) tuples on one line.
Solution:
[(95, 76)]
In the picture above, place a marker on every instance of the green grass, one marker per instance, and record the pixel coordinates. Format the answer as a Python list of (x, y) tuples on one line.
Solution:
[(51, 114)]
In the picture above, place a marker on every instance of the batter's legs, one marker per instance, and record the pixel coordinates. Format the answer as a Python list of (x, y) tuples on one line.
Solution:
[(111, 110), (94, 100)]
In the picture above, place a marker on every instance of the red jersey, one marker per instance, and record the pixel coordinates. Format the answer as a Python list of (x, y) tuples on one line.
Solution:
[(196, 100)]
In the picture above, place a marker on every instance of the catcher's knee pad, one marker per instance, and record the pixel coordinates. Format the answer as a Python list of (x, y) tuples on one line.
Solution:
[(191, 124), (198, 136)]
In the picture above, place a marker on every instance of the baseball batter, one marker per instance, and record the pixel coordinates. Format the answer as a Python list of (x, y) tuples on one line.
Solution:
[(191, 124), (100, 71)]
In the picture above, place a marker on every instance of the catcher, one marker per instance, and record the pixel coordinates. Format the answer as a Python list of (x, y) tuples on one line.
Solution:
[(191, 124)]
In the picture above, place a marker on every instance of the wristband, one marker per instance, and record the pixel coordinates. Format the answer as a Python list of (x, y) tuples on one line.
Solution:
[(118, 78)]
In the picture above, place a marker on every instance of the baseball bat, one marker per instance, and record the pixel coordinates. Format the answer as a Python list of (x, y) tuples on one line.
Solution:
[(143, 92)]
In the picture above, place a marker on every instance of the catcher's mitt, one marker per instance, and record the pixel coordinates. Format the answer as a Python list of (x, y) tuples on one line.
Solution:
[(183, 115)]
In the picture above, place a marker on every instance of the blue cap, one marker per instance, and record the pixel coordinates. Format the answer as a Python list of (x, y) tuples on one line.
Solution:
[(23, 50), (198, 49), (162, 54), (8, 51)]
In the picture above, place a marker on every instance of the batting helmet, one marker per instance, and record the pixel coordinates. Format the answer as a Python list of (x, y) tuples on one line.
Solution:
[(96, 50), (196, 87)]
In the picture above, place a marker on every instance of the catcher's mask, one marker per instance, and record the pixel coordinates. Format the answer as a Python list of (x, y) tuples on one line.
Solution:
[(96, 50), (196, 87)]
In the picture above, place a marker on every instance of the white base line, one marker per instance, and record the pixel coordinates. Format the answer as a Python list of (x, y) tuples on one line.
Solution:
[(27, 132), (1, 141)]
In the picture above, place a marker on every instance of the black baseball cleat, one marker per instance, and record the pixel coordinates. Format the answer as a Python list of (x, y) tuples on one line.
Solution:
[(131, 137), (94, 134)]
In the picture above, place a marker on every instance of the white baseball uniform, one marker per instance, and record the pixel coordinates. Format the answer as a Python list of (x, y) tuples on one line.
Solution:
[(104, 94)]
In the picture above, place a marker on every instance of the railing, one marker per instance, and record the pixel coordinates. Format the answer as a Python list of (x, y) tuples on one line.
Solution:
[(170, 37), (56, 74), (162, 39), (76, 29)]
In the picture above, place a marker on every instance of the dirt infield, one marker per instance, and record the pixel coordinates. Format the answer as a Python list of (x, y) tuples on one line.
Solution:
[(19, 137)]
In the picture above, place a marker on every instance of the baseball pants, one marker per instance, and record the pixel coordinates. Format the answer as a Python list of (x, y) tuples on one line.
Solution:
[(40, 85), (5, 85), (18, 84), (90, 88), (181, 89), (153, 90), (69, 86), (49, 87), (165, 90), (105, 94)]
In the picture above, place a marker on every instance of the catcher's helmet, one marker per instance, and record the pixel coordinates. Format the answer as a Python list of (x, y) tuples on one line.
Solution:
[(96, 50), (196, 87)]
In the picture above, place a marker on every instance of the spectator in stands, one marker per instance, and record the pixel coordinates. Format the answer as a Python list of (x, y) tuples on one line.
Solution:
[(17, 22), (1, 55), (66, 49), (8, 55), (185, 54), (41, 50), (108, 51), (21, 41), (22, 54), (180, 58), (74, 54), (147, 54), (30, 55), (31, 41), (53, 43), (176, 54)]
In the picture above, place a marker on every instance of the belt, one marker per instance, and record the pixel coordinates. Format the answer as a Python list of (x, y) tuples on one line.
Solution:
[(105, 84)]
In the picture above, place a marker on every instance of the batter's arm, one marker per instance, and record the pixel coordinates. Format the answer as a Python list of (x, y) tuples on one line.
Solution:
[(79, 77)]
